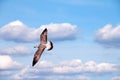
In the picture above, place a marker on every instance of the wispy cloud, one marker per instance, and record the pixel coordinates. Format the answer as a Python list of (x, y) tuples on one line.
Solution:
[(19, 32), (5, 73), (116, 78), (83, 78), (15, 50), (109, 36)]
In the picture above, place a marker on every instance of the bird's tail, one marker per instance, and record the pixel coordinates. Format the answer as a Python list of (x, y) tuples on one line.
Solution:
[(49, 45)]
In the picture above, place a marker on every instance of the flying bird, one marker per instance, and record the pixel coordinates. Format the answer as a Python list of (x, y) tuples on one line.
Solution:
[(44, 43)]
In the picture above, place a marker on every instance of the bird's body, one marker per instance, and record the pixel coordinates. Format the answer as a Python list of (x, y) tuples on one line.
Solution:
[(43, 44)]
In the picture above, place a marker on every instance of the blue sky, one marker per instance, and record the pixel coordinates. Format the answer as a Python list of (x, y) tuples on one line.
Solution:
[(85, 33)]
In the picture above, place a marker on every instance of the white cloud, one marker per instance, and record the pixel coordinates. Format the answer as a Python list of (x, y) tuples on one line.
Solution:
[(16, 50), (116, 78), (5, 73), (76, 66), (69, 67), (22, 75), (6, 62), (106, 67), (8, 66), (91, 66), (83, 78), (65, 70), (109, 36), (19, 32), (63, 31)]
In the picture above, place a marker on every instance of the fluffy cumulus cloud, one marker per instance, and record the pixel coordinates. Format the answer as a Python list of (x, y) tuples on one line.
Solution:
[(109, 36), (19, 32), (65, 70), (63, 31), (6, 62), (16, 50), (7, 65)]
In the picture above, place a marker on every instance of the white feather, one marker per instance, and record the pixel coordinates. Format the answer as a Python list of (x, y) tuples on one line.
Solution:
[(48, 45)]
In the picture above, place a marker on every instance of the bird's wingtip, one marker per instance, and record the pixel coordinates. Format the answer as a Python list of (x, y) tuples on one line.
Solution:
[(45, 29), (34, 62)]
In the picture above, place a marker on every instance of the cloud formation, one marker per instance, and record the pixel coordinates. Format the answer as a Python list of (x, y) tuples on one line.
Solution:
[(109, 36), (19, 32), (7, 65), (116, 78), (6, 62), (16, 50), (73, 69)]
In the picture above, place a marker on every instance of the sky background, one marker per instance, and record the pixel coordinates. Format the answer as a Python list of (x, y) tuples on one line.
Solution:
[(85, 34)]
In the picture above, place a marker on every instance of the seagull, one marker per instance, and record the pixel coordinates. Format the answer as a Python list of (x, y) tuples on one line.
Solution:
[(41, 47)]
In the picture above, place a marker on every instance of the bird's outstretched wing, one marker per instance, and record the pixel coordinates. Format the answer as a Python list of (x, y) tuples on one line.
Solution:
[(43, 36), (38, 54), (42, 46)]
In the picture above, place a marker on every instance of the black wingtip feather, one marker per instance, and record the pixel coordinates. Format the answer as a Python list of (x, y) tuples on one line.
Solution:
[(34, 62), (45, 29)]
